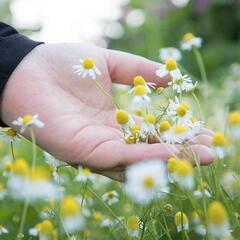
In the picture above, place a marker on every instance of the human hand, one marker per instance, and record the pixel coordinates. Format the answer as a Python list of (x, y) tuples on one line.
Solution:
[(80, 126)]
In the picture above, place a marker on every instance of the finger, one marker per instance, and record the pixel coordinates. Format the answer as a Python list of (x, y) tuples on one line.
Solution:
[(123, 67), (198, 152), (206, 131), (202, 139), (117, 176)]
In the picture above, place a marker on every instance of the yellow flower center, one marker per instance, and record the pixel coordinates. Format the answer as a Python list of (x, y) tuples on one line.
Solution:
[(168, 208), (171, 64), (130, 140), (140, 90), (138, 112), (193, 119), (180, 218), (132, 223), (88, 63), (184, 168), (8, 166), (86, 171), (188, 37), (135, 128), (11, 133), (179, 129), (181, 111), (97, 216), (27, 119), (219, 140), (234, 118), (164, 126), (172, 164), (138, 80), (150, 119), (69, 207), (122, 117), (46, 228), (217, 213), (149, 182), (20, 167), (39, 174)]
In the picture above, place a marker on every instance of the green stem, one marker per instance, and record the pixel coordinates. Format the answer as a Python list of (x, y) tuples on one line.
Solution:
[(12, 151), (99, 86), (202, 71), (26, 203), (199, 106), (84, 192)]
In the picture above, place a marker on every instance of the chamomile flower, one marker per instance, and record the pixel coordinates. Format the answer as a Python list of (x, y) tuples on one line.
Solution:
[(219, 144), (70, 212), (87, 68), (133, 226), (182, 84), (164, 130), (110, 197), (140, 81), (218, 224), (172, 168), (3, 230), (169, 68), (169, 53), (199, 228), (44, 230), (189, 41), (9, 135), (179, 111), (145, 181), (202, 189), (234, 124), (195, 125), (148, 126), (141, 100), (125, 120), (178, 134), (27, 121), (84, 174), (181, 221), (184, 174)]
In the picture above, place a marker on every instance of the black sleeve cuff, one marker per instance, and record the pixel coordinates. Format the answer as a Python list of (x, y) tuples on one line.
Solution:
[(13, 48)]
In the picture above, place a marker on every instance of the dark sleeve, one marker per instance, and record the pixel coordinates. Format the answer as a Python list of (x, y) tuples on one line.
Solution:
[(13, 48)]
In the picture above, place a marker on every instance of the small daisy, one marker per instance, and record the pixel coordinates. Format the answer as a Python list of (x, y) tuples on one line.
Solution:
[(179, 111), (110, 197), (84, 174), (189, 41), (164, 129), (9, 135), (172, 168), (234, 124), (195, 125), (146, 181), (169, 68), (71, 216), (181, 84), (133, 226), (87, 68), (3, 230), (170, 53), (44, 230), (219, 144), (107, 222), (148, 126), (178, 134), (141, 100), (199, 228), (181, 221), (202, 189), (218, 224), (140, 81), (184, 174), (27, 121)]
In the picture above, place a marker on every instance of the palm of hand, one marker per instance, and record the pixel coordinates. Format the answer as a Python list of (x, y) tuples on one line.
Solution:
[(79, 120)]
